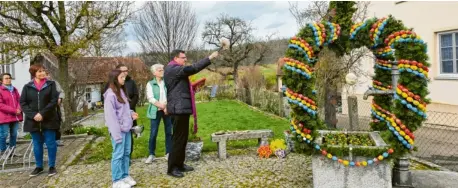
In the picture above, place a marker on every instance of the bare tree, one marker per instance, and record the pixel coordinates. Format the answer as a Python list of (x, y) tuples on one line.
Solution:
[(111, 43), (62, 28), (163, 26), (241, 43), (332, 68)]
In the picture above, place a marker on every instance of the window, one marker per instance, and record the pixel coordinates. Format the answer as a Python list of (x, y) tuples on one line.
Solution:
[(448, 53), (7, 68), (88, 94)]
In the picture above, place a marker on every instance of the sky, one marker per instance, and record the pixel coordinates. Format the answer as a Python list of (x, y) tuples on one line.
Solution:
[(265, 16)]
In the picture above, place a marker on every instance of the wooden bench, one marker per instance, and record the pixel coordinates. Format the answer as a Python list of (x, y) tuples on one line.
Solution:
[(222, 137)]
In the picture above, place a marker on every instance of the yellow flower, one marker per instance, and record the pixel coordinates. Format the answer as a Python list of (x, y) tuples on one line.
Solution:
[(279, 144)]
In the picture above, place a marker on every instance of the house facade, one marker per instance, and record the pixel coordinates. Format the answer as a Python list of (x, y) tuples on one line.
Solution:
[(435, 23), (88, 75)]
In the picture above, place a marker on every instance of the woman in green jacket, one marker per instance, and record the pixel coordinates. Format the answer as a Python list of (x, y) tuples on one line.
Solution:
[(157, 98)]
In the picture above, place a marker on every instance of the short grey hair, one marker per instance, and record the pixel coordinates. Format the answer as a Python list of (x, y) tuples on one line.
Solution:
[(156, 66)]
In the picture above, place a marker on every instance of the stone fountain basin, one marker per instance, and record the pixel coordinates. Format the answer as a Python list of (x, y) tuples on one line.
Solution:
[(328, 173)]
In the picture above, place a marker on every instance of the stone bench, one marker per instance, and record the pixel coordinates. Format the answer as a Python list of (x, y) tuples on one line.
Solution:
[(222, 137)]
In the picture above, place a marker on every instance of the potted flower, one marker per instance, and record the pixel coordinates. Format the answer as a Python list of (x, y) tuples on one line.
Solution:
[(194, 146)]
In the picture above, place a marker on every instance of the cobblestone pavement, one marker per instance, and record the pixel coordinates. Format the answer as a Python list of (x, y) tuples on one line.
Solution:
[(22, 179), (242, 170)]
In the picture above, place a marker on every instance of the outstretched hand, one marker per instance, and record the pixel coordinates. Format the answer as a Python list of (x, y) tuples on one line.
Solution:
[(213, 55)]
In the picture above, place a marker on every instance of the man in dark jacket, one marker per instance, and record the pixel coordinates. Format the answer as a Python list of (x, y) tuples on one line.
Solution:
[(132, 94), (179, 105)]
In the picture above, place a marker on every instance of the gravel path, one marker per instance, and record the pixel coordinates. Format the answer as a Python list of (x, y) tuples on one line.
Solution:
[(243, 170)]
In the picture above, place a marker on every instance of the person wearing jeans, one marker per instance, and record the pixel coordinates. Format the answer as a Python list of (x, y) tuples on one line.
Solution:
[(156, 93), (10, 113), (39, 103), (119, 119)]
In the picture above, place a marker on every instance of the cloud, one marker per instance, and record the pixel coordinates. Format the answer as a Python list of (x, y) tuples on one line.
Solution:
[(266, 17)]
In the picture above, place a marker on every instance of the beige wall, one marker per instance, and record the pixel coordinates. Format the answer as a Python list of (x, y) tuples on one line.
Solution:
[(427, 19)]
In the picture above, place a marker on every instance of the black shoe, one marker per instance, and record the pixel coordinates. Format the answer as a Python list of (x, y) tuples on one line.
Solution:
[(52, 171), (36, 172), (186, 168), (176, 173)]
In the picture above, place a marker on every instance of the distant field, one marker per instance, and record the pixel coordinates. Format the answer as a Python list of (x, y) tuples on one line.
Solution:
[(268, 71)]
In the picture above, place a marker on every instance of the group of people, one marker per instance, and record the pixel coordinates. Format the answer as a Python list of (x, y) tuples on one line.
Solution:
[(39, 105), (170, 99)]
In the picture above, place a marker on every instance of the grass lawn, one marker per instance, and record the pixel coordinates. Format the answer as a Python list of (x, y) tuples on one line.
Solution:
[(213, 116)]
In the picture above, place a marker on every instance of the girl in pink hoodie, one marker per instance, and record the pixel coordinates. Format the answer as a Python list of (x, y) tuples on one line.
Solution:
[(119, 119)]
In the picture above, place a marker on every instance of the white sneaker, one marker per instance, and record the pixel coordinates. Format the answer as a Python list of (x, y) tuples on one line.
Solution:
[(167, 157), (121, 184), (130, 181), (150, 159)]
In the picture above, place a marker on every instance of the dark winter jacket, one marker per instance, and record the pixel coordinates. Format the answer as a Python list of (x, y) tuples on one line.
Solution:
[(176, 79), (43, 102), (132, 92)]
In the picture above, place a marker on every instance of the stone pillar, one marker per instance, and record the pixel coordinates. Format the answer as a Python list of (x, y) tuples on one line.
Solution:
[(401, 174), (353, 112)]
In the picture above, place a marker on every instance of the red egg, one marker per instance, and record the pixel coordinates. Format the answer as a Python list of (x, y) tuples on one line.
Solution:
[(390, 151), (358, 164), (417, 97), (324, 152), (398, 121), (340, 160), (403, 32), (396, 33), (411, 94), (403, 126)]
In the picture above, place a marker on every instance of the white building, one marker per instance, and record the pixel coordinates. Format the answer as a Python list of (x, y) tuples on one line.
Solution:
[(19, 71)]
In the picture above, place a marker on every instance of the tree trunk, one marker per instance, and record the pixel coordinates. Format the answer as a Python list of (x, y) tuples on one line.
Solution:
[(236, 76), (65, 83), (330, 107)]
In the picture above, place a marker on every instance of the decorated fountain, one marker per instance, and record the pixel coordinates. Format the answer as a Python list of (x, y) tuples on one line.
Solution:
[(399, 90)]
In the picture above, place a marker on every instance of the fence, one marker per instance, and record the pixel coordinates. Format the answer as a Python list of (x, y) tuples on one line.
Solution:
[(267, 101)]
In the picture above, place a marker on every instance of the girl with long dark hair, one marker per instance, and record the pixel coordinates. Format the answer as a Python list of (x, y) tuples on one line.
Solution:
[(119, 119)]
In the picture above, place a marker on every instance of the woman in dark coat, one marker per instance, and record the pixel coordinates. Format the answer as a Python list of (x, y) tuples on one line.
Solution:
[(39, 103)]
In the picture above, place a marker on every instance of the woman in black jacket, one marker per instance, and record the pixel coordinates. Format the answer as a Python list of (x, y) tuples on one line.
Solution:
[(39, 103)]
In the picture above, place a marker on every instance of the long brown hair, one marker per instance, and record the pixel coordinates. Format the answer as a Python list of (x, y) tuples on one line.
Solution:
[(115, 85)]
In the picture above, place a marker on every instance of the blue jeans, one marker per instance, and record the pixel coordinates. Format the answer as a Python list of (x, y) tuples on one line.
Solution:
[(155, 128), (120, 158), (45, 136), (4, 130)]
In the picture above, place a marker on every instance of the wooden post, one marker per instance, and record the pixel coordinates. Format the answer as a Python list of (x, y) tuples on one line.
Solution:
[(353, 112)]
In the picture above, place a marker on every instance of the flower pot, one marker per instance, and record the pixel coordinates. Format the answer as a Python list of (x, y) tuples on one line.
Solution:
[(329, 173), (194, 150)]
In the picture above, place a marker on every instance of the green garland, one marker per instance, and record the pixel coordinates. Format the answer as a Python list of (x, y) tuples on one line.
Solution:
[(391, 43)]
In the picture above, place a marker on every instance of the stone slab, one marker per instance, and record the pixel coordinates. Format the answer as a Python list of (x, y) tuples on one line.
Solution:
[(242, 135), (328, 174)]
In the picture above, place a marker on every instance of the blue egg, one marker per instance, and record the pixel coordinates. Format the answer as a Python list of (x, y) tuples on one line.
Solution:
[(317, 147), (370, 161), (400, 138), (404, 102), (301, 105), (404, 142), (409, 106), (314, 92), (308, 141), (425, 116), (385, 154), (309, 111), (396, 133), (408, 146), (334, 158), (391, 128), (352, 163), (414, 109)]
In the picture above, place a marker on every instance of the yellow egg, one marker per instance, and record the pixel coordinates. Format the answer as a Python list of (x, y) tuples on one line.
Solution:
[(414, 67), (313, 107), (346, 163), (404, 95), (308, 105), (400, 66), (364, 163), (329, 155), (407, 66), (398, 37), (404, 36), (308, 136), (293, 97), (298, 132), (398, 129), (407, 137), (303, 134), (411, 142), (409, 99), (416, 103), (402, 133), (380, 157), (398, 91), (383, 115)]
